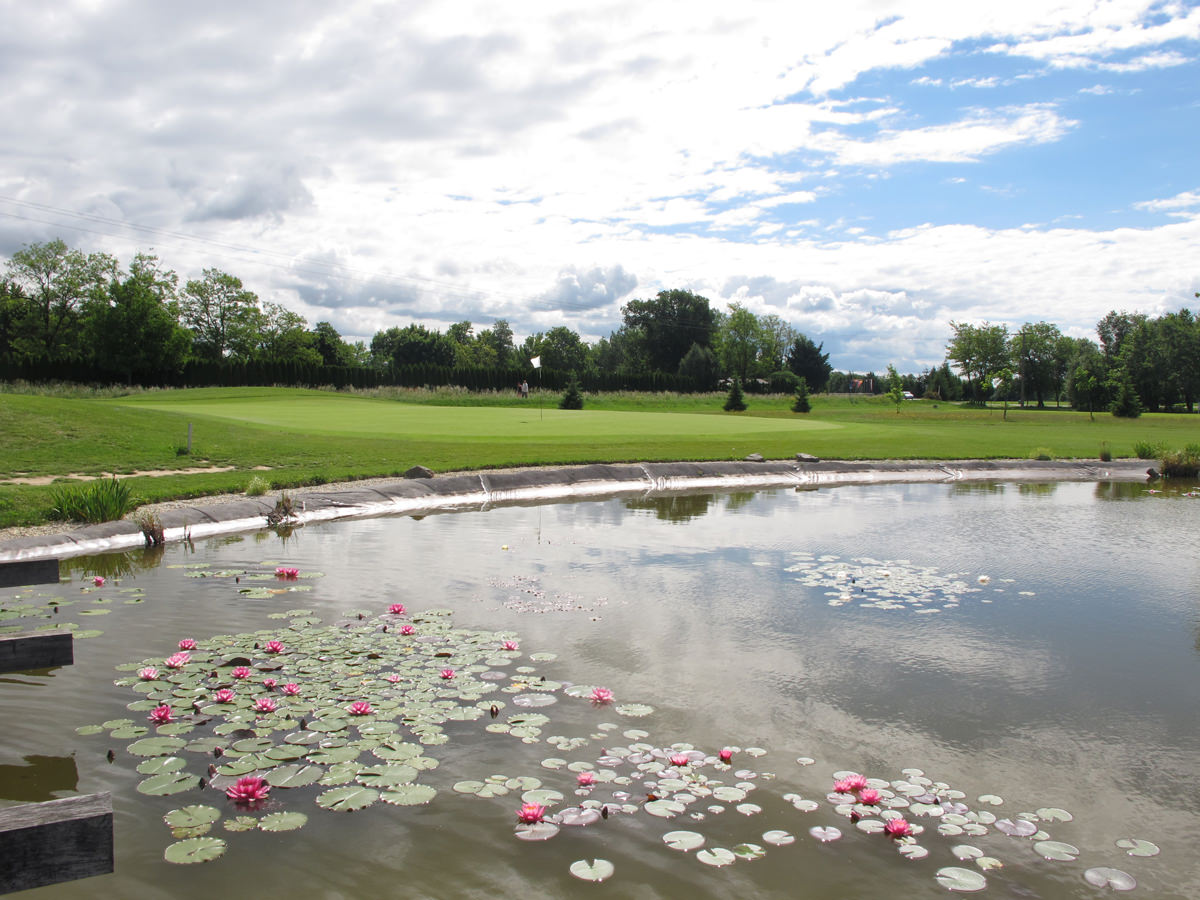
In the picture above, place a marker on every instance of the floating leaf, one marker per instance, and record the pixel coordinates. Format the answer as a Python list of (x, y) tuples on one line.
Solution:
[(88, 729), (168, 783), (592, 870), (409, 795), (536, 831), (1135, 847), (685, 840), (749, 851), (718, 856), (158, 764), (1057, 850), (283, 821), (194, 850), (294, 776), (912, 851), (1103, 876), (825, 834), (241, 823), (635, 710), (1017, 827), (386, 776), (191, 816), (664, 809), (991, 799), (1054, 814), (576, 816), (155, 746), (965, 881), (347, 799)]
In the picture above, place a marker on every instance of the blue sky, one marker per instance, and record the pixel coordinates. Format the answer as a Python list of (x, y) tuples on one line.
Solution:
[(869, 173)]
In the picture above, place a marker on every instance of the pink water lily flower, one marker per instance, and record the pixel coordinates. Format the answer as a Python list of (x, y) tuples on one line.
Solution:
[(511, 645), (249, 790), (160, 715), (897, 828), (530, 813), (680, 759), (397, 609), (602, 695), (269, 683), (264, 705), (98, 581), (187, 644), (223, 695), (291, 689), (394, 678), (855, 782), (240, 672), (869, 796), (360, 708), (287, 573), (273, 647), (726, 755), (177, 660), (148, 674), (586, 779), (447, 674), (407, 629)]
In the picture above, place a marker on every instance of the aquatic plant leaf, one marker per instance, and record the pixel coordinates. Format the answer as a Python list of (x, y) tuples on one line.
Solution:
[(749, 851), (191, 816), (294, 776), (328, 756), (536, 831), (717, 856), (409, 795), (575, 816), (155, 746), (988, 862), (664, 809), (347, 799), (1057, 850), (825, 834), (1054, 814), (168, 783), (635, 710), (1016, 827), (542, 796), (158, 764), (283, 821), (86, 730), (779, 838), (194, 850), (912, 851), (592, 869), (1103, 876), (684, 840), (991, 799), (1135, 847), (386, 776), (749, 809), (954, 878), (966, 851)]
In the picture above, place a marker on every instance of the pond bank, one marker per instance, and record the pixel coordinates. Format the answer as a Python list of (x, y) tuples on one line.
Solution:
[(209, 516)]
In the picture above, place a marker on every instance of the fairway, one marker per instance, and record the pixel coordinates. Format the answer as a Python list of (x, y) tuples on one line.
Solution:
[(336, 414)]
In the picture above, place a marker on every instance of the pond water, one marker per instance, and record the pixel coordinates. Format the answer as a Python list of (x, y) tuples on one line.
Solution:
[(984, 654)]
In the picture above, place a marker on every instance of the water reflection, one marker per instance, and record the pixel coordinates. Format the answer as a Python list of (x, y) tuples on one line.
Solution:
[(674, 507), (38, 778), (112, 565)]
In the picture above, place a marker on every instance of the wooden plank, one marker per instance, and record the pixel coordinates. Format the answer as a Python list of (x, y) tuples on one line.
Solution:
[(32, 571), (55, 841), (40, 650)]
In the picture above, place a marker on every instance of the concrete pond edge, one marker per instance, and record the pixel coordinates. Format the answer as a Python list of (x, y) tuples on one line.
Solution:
[(484, 488)]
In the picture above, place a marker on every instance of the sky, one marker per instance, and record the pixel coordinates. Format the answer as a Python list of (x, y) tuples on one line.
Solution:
[(869, 171)]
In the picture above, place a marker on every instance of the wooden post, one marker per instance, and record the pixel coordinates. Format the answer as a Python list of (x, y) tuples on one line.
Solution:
[(55, 841), (39, 650), (32, 571)]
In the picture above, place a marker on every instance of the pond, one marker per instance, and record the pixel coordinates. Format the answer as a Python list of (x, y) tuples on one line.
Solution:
[(1014, 669)]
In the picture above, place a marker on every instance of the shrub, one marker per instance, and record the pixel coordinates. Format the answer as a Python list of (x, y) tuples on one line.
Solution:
[(736, 401), (152, 527), (783, 382), (1147, 450), (1041, 453), (257, 486), (1183, 463), (1125, 404), (103, 500), (1105, 453), (801, 403), (572, 399)]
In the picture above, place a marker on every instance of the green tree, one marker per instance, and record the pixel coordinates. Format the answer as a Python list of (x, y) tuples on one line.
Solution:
[(1114, 328), (560, 348), (1142, 359), (736, 400), (329, 344), (498, 341), (806, 360), (1002, 383), (1125, 402), (1035, 348), (700, 364), (283, 337), (801, 404), (57, 283), (740, 342), (895, 390), (977, 351), (572, 398), (416, 344), (222, 315), (776, 337), (13, 307), (1180, 333), (670, 324)]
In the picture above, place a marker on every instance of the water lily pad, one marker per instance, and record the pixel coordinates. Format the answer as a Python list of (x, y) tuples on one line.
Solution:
[(191, 816), (1135, 847), (194, 850), (241, 823), (88, 730), (684, 840), (536, 831), (749, 809), (1103, 876), (965, 881), (159, 764), (635, 710), (155, 746), (386, 776), (294, 776), (168, 783), (409, 795), (1016, 827), (347, 799), (592, 869), (283, 821), (749, 851), (542, 796), (912, 851), (664, 809), (1054, 814), (1057, 850), (717, 856), (825, 834)]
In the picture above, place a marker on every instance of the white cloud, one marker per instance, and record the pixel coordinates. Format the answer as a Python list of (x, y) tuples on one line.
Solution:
[(1183, 200)]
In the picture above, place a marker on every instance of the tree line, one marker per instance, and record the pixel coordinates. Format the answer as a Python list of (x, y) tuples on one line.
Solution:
[(66, 313)]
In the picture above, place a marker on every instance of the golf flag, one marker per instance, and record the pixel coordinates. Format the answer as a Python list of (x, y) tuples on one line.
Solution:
[(536, 362)]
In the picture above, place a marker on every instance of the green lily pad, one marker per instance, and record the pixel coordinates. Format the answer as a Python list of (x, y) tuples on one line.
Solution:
[(88, 730), (347, 799), (1054, 814), (1103, 876), (168, 783), (194, 850), (158, 764), (331, 755), (718, 856), (684, 840), (155, 746), (593, 869), (386, 776), (409, 795), (191, 816), (635, 710), (1057, 850), (294, 776), (779, 837), (1135, 847), (954, 878), (749, 851), (282, 821)]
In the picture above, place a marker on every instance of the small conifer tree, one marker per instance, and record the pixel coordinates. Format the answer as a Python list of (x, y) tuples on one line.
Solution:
[(736, 401), (1126, 403), (801, 404), (572, 399)]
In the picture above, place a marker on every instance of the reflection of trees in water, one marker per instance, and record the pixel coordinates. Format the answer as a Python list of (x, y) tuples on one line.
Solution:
[(1121, 490), (38, 779), (112, 565), (740, 499), (976, 487), (675, 507), (1037, 488)]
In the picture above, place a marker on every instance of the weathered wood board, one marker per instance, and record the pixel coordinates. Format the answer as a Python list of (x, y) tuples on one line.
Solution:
[(36, 650), (55, 841)]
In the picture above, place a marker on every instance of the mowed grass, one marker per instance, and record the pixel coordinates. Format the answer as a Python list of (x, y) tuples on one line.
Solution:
[(308, 437)]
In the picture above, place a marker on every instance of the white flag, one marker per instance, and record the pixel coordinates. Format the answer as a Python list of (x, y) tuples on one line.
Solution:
[(536, 362)]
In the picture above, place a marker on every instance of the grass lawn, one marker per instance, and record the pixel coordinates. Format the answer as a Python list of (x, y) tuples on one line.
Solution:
[(306, 436)]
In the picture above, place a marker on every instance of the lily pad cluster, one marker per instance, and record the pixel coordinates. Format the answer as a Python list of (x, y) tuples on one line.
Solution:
[(31, 609), (886, 584), (526, 595), (254, 584)]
